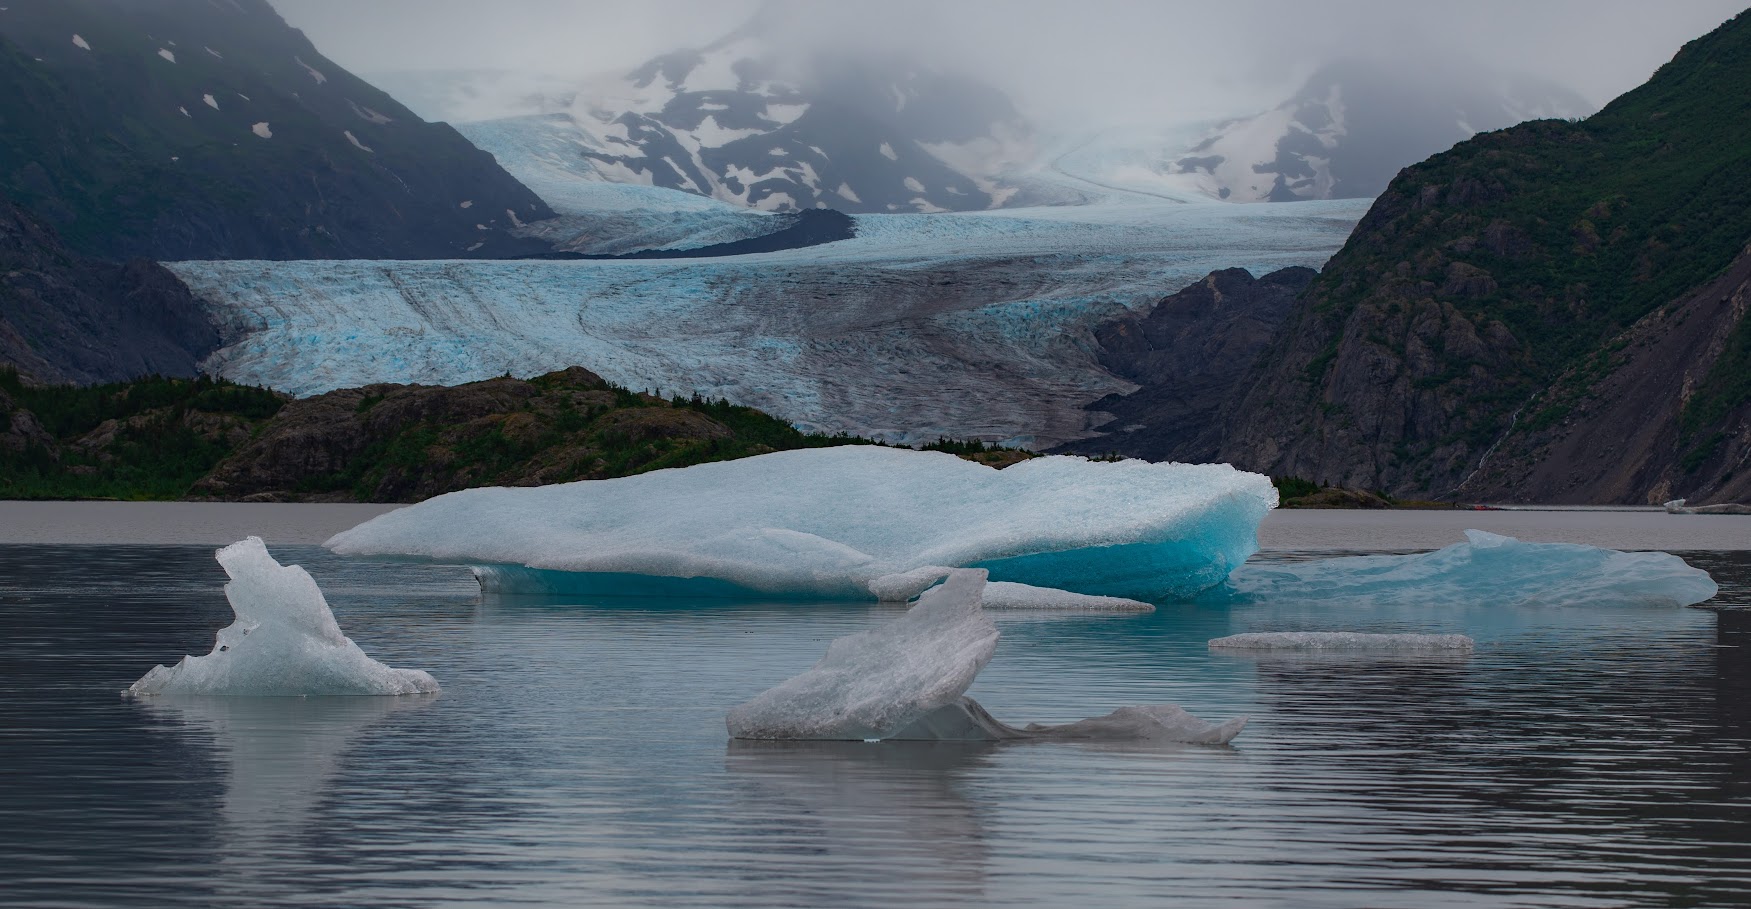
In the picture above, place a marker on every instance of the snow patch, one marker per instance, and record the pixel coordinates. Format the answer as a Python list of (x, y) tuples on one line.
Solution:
[(314, 74), (355, 140), (888, 152), (846, 191), (261, 129), (913, 184), (465, 203), (210, 101), (80, 43), (166, 54)]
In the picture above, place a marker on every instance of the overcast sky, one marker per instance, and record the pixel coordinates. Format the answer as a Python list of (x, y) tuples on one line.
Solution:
[(1118, 59)]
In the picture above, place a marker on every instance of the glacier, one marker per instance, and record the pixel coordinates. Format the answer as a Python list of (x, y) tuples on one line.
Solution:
[(967, 325), (827, 522), (1486, 570), (907, 681), (285, 642)]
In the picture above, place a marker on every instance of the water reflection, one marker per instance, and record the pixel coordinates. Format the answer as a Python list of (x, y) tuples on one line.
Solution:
[(279, 759), (894, 814)]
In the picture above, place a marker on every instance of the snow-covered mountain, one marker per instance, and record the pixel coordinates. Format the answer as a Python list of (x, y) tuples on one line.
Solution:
[(1355, 124), (755, 121)]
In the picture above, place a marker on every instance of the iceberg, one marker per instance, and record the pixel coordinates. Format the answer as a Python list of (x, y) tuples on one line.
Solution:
[(907, 681), (285, 642), (825, 523), (1485, 570), (1325, 641)]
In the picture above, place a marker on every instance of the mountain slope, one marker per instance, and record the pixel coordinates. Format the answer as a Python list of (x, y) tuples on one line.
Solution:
[(752, 121), (1355, 124), (196, 129), (68, 318), (1483, 274)]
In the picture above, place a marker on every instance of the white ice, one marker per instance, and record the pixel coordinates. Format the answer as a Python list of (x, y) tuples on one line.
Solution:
[(261, 129), (1340, 641), (907, 680), (1485, 570), (898, 588), (285, 642), (826, 522)]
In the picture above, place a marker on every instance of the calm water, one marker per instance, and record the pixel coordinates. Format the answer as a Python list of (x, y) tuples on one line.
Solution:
[(577, 756)]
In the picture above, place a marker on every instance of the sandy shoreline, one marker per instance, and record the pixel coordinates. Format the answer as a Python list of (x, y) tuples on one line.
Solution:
[(188, 523)]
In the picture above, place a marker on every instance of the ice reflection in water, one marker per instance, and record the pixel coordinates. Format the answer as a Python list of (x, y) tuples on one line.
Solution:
[(1581, 756)]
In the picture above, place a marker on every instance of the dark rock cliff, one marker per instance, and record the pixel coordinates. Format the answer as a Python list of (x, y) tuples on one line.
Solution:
[(67, 318), (1486, 275), (1187, 354), (206, 129)]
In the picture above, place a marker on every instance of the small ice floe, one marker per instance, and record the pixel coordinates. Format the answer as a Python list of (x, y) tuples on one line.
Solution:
[(285, 642), (261, 129), (166, 54), (907, 681), (80, 43), (1342, 641), (898, 588), (1677, 506), (1486, 570)]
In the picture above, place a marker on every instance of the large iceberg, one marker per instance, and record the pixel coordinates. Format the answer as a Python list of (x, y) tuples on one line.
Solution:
[(907, 680), (827, 522), (285, 641), (1485, 570)]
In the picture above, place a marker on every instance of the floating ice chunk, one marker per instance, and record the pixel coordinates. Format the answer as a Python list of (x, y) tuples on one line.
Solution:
[(1340, 641), (875, 683), (1486, 570), (1010, 595), (285, 641), (1677, 506), (907, 680), (827, 522)]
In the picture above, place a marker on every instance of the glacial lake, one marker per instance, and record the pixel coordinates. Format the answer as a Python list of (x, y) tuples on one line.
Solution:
[(577, 755)]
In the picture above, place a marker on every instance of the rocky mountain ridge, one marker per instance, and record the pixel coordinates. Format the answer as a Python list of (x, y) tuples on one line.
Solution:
[(190, 129)]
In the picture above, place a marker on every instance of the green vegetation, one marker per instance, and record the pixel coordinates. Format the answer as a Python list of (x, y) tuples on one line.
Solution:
[(1564, 233), (147, 439), (157, 438)]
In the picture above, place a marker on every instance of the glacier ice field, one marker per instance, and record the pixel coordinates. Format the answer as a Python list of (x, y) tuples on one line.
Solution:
[(970, 325)]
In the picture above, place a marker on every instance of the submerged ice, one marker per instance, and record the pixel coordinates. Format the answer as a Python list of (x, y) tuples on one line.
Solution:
[(1485, 570), (828, 522), (907, 680), (285, 641)]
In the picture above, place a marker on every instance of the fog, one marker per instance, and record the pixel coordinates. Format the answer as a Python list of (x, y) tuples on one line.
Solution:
[(1113, 61)]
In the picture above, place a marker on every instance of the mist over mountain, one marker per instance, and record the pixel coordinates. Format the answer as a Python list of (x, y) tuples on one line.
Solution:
[(1357, 122)]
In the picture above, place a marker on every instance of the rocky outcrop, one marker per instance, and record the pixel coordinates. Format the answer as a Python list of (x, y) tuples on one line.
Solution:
[(1487, 279), (196, 129), (1614, 428), (67, 318), (1187, 354), (405, 443)]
